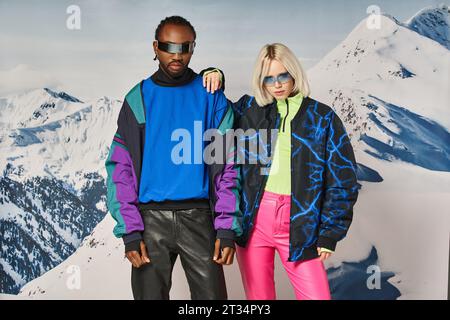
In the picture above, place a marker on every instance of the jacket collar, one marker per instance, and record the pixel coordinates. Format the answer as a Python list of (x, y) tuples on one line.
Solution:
[(160, 77)]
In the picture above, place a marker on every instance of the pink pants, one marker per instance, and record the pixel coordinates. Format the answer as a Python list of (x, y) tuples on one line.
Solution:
[(256, 260)]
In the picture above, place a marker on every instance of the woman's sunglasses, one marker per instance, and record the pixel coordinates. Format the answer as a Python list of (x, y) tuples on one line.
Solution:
[(281, 78)]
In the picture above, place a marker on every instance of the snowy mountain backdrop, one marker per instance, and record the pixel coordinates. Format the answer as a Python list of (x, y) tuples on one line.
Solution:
[(52, 189)]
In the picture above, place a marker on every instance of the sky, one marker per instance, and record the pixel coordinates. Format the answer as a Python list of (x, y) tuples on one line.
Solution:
[(112, 49)]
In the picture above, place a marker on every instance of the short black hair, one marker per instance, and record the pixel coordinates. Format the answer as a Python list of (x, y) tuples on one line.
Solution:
[(175, 20)]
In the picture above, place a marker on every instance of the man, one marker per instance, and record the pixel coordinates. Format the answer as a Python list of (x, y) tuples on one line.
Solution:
[(162, 206)]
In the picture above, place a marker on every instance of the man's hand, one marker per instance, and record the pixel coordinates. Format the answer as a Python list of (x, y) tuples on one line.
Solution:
[(136, 259), (224, 256), (212, 82)]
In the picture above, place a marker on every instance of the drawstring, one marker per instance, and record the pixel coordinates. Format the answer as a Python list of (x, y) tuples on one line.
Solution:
[(287, 112)]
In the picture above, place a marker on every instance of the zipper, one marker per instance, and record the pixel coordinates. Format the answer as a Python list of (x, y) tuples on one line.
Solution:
[(292, 188), (287, 112)]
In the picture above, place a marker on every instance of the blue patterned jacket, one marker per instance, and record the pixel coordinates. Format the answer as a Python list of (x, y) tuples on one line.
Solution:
[(323, 182)]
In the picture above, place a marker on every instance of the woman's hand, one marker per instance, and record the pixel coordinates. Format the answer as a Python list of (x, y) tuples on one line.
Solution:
[(211, 81), (323, 254)]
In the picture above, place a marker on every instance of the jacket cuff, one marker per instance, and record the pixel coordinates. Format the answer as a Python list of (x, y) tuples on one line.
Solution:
[(325, 242), (133, 246), (132, 241), (225, 234), (226, 238), (227, 243), (131, 237)]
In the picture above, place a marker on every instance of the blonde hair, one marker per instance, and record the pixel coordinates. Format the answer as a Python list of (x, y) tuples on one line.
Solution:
[(286, 57)]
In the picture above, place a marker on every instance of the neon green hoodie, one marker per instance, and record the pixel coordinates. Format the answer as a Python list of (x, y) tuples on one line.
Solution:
[(279, 180)]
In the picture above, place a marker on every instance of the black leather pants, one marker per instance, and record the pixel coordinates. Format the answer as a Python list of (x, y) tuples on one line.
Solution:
[(189, 234)]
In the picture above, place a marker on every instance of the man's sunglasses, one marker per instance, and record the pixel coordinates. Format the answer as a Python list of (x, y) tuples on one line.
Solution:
[(187, 47), (281, 78)]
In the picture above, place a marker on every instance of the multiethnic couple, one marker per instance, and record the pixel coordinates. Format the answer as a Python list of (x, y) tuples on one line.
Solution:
[(297, 202)]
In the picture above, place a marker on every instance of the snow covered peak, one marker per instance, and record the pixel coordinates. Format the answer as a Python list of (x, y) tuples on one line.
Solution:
[(381, 26), (37, 107), (61, 95), (391, 61), (433, 23)]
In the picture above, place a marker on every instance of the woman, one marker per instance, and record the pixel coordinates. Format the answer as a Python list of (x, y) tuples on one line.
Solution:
[(305, 204)]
